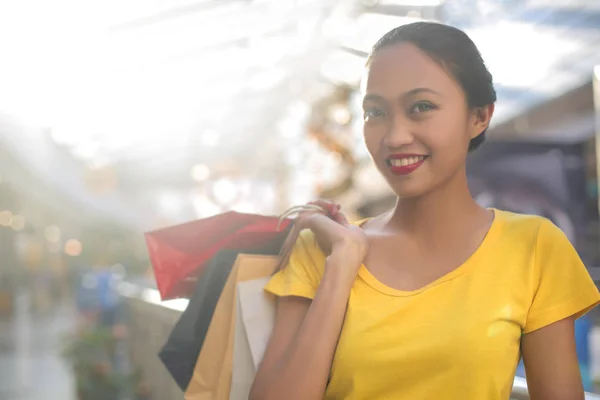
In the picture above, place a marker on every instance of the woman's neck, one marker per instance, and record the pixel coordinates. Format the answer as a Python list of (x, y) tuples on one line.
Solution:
[(448, 210)]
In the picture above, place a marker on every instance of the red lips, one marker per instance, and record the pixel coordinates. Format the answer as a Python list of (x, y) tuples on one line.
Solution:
[(404, 163)]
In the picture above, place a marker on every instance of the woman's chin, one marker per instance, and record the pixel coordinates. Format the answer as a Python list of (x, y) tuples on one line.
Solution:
[(408, 190)]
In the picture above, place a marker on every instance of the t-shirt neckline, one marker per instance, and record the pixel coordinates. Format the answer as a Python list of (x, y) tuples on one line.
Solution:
[(487, 241)]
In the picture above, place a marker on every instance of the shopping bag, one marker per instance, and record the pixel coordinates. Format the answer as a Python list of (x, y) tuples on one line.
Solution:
[(180, 351), (255, 318), (213, 371), (180, 253), (243, 368), (258, 316)]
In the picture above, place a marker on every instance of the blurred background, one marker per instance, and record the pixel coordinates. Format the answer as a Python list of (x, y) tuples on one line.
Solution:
[(120, 117)]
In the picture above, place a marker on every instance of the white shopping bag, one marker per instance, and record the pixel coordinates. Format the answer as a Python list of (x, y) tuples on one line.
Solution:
[(255, 317)]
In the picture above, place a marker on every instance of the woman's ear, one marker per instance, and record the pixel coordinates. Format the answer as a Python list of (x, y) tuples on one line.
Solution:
[(481, 120)]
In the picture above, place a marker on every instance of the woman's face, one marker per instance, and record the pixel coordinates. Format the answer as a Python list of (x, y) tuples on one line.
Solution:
[(417, 125)]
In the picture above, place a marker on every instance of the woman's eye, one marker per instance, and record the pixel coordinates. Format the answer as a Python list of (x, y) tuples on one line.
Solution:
[(421, 107), (372, 113)]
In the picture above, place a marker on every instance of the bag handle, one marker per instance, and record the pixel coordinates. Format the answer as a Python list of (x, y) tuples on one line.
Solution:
[(292, 237), (299, 209)]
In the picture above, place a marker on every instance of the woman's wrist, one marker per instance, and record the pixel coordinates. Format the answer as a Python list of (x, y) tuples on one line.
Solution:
[(311, 220), (337, 282), (351, 251), (341, 270)]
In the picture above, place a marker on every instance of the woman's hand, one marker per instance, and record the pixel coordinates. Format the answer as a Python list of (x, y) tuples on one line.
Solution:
[(306, 331), (345, 244)]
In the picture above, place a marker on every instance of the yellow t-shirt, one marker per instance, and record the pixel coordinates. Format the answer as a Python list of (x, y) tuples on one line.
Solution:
[(459, 337)]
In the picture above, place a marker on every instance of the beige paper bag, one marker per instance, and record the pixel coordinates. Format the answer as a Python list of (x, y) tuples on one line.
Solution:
[(213, 372)]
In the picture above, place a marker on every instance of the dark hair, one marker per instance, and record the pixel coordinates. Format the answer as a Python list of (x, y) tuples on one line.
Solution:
[(456, 52)]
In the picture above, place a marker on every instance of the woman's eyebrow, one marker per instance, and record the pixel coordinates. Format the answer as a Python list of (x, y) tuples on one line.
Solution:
[(380, 99), (418, 90), (373, 97)]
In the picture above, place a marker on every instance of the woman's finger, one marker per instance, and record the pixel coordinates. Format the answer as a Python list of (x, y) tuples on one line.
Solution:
[(329, 206), (333, 210), (340, 218)]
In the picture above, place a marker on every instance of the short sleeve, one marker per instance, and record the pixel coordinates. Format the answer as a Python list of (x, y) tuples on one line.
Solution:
[(302, 275), (562, 285)]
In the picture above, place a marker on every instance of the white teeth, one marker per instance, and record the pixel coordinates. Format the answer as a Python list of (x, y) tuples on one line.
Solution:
[(402, 162)]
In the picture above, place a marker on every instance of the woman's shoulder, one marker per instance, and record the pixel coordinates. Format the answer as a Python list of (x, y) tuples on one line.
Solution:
[(521, 226), (520, 221), (512, 216), (307, 251)]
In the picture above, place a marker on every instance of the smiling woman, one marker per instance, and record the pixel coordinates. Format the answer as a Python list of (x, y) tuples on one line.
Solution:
[(444, 101), (437, 298)]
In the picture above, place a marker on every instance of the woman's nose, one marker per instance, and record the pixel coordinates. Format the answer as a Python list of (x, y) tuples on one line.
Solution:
[(399, 134)]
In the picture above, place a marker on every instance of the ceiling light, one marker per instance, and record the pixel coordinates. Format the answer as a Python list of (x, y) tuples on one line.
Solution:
[(225, 191), (200, 172), (17, 223), (340, 114), (73, 247)]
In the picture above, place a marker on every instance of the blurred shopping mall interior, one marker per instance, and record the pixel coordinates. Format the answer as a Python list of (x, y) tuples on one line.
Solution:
[(123, 117)]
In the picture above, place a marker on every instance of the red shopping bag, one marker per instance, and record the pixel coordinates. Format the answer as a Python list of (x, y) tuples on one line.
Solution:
[(181, 252)]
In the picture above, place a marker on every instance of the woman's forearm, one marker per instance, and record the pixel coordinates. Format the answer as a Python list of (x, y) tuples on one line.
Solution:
[(303, 370)]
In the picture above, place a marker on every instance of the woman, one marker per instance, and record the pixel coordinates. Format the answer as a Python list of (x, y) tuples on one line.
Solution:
[(438, 298)]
